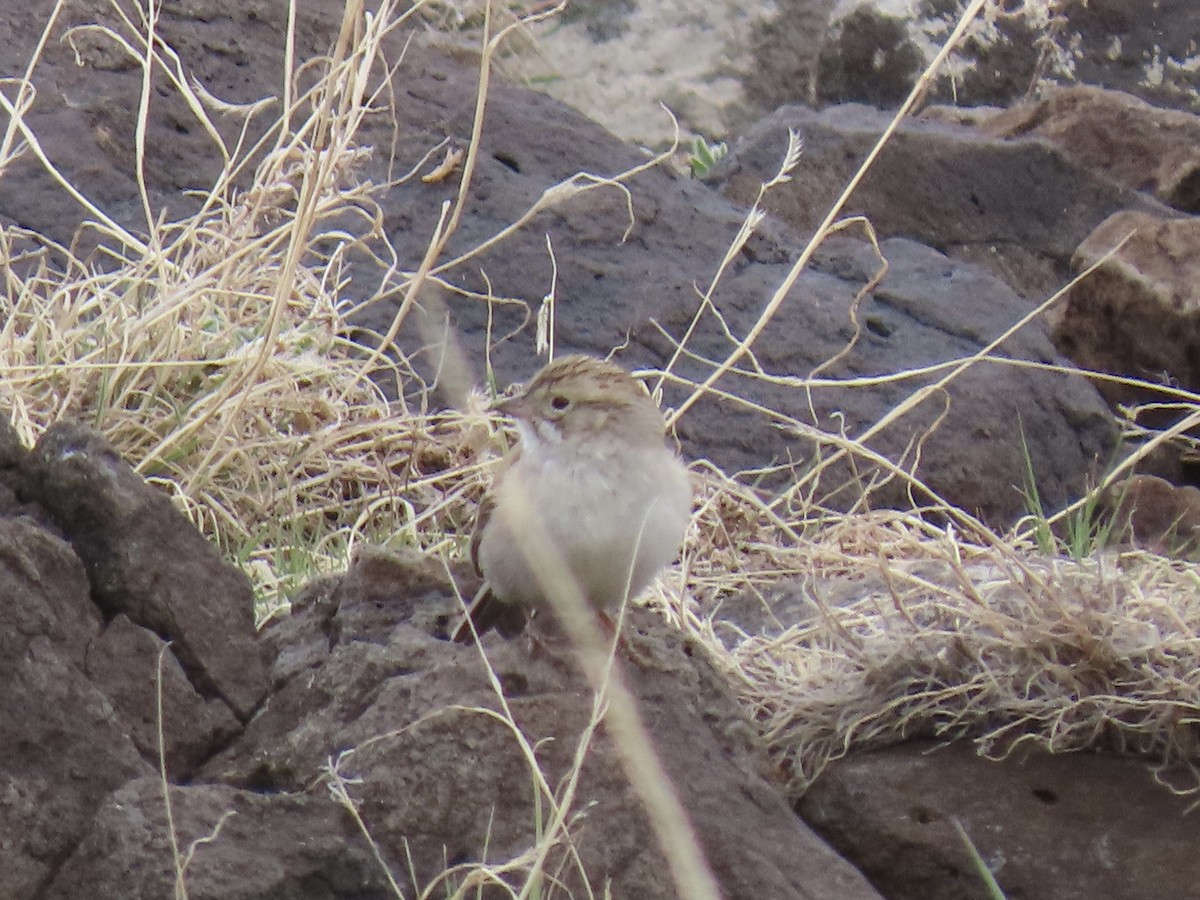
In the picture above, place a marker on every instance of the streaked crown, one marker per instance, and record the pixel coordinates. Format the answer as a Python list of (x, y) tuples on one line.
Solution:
[(582, 397)]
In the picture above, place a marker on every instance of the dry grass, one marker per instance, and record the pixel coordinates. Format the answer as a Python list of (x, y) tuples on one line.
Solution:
[(213, 354), (907, 632)]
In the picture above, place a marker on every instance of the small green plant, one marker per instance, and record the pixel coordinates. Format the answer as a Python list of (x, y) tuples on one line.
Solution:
[(704, 156), (1084, 530), (1035, 510), (1087, 528)]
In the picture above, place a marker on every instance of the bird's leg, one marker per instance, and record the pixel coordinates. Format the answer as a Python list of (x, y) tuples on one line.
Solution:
[(544, 640), (614, 633)]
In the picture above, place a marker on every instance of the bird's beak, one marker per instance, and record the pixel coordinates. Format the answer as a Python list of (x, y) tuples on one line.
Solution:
[(517, 407)]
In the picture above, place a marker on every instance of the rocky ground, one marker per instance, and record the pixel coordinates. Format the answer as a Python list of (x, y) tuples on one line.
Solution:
[(720, 66), (980, 214)]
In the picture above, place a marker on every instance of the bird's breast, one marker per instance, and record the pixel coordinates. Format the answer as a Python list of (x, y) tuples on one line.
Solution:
[(614, 517)]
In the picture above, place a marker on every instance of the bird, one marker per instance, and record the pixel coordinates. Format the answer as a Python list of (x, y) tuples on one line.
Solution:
[(594, 480)]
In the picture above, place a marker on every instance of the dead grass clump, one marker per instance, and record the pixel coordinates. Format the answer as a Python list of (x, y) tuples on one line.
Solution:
[(913, 634), (213, 352), (254, 412)]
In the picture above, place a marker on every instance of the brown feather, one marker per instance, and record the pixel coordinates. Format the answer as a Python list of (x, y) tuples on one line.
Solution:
[(486, 609), (486, 505)]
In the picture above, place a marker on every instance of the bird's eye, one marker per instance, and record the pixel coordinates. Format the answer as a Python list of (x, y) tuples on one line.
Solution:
[(559, 402)]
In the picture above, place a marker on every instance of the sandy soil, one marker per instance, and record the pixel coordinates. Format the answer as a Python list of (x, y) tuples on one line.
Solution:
[(621, 61)]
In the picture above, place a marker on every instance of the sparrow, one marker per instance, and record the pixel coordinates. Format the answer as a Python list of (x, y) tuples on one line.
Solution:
[(592, 483)]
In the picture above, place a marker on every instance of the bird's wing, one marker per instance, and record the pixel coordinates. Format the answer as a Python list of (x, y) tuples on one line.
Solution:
[(486, 506), (487, 610)]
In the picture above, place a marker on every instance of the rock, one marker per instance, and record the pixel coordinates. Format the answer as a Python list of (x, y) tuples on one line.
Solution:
[(784, 54), (1154, 514), (384, 587), (868, 57), (124, 661), (1018, 207), (79, 690), (928, 310), (243, 845), (62, 746), (12, 455), (439, 775), (1115, 136), (12, 451), (771, 609), (874, 52), (1125, 45), (1138, 314), (1042, 822), (86, 107), (146, 561)]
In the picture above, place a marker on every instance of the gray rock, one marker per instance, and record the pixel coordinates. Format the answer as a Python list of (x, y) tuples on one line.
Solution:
[(144, 559), (1152, 513), (1115, 136), (1125, 45), (1138, 313), (928, 310), (875, 55), (1017, 207), (79, 703), (1071, 826), (445, 779), (85, 114), (62, 746), (243, 846), (867, 57), (124, 661)]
